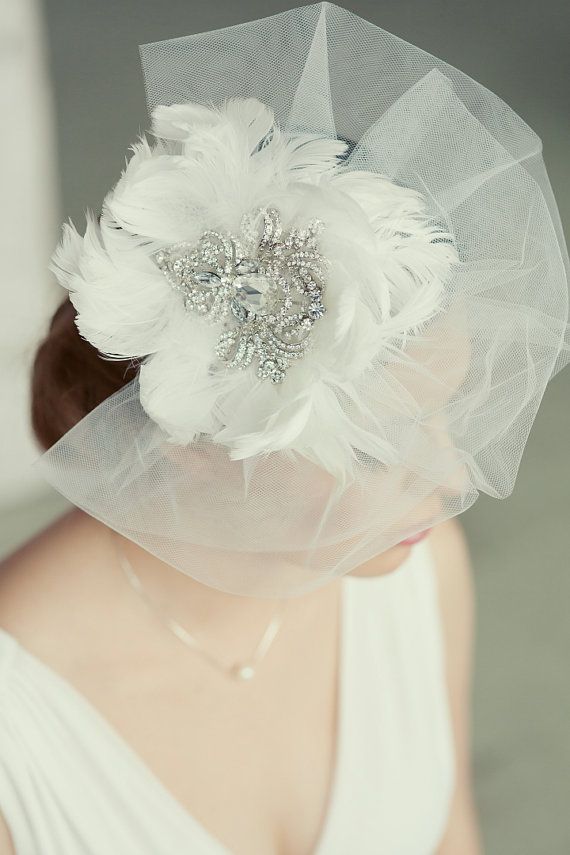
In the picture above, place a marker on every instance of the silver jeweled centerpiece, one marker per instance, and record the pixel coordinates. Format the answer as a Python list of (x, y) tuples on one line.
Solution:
[(266, 286)]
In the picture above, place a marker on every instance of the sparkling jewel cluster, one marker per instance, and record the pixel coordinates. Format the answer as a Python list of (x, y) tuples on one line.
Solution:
[(266, 286)]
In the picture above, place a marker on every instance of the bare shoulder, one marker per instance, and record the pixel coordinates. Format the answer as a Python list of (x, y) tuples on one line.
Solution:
[(31, 583), (40, 582), (456, 596), (27, 571)]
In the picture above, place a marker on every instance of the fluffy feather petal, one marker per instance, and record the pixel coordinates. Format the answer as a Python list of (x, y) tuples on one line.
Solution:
[(389, 262)]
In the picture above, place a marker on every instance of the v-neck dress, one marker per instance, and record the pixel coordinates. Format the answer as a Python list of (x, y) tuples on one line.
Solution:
[(71, 785)]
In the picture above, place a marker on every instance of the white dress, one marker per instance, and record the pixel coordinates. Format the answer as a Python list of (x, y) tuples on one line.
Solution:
[(70, 785)]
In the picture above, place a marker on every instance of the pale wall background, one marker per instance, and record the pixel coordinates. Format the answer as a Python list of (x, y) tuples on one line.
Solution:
[(87, 54)]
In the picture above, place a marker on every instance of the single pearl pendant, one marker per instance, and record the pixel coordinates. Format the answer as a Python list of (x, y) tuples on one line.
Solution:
[(243, 672)]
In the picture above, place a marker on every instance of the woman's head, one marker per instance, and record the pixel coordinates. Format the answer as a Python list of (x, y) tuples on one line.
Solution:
[(277, 480), (70, 378)]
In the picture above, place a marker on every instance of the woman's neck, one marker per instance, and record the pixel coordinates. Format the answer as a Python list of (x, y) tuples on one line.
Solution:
[(214, 616)]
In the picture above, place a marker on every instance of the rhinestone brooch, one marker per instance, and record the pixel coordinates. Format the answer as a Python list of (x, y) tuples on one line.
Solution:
[(265, 286)]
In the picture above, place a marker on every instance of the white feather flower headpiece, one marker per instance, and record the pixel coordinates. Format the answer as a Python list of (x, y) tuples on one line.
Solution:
[(255, 278)]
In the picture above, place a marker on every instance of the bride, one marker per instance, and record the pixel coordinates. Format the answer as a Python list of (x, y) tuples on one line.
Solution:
[(385, 310), (111, 728)]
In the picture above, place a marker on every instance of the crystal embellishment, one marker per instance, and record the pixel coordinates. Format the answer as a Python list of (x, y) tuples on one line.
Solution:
[(265, 286)]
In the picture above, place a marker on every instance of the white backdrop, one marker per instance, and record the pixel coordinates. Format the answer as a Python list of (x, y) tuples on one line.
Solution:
[(28, 230)]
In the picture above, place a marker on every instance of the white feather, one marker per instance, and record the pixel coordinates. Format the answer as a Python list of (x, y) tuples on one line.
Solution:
[(64, 262), (209, 166)]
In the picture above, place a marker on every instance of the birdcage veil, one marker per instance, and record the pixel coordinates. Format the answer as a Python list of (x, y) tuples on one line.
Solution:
[(340, 343)]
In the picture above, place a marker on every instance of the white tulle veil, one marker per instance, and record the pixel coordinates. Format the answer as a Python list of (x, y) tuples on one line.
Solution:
[(399, 216)]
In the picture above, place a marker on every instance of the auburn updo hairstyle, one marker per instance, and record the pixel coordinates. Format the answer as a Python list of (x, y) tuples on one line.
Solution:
[(70, 378)]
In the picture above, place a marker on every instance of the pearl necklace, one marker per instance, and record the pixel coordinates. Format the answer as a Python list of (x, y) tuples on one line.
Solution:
[(241, 671)]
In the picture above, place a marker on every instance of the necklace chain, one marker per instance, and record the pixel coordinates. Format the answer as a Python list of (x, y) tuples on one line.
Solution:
[(241, 671)]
